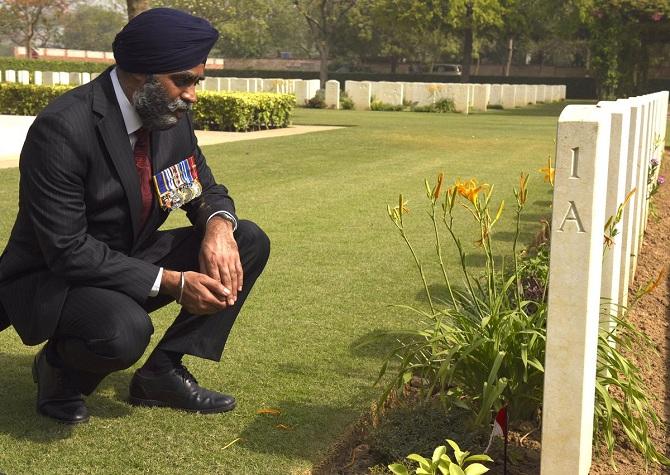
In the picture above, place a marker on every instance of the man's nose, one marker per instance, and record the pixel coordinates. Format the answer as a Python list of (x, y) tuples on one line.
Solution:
[(189, 94)]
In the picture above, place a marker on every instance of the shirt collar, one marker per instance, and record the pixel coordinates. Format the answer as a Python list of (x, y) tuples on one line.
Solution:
[(131, 118)]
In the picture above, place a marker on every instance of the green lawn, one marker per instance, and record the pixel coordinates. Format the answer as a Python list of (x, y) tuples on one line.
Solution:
[(337, 264)]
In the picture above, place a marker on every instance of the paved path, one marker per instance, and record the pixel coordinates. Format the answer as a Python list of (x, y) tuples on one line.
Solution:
[(13, 130)]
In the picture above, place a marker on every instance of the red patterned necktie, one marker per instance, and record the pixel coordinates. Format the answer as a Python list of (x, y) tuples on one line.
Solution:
[(143, 165)]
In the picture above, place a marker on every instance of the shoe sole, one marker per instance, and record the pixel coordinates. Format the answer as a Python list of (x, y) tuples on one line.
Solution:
[(139, 402)]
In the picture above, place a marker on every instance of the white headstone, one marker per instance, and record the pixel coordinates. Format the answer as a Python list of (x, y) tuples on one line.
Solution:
[(63, 78), (85, 78), (239, 84), (519, 95), (254, 84), (508, 93), (74, 79), (333, 94), (495, 99), (94, 75), (616, 194), (482, 93), (211, 84), (388, 92), (420, 93), (23, 77), (37, 78), (10, 75), (578, 217), (628, 221), (225, 84), (460, 94), (50, 78), (360, 93), (300, 92)]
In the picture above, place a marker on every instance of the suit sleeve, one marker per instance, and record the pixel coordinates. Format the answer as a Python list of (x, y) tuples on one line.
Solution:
[(214, 197), (53, 175)]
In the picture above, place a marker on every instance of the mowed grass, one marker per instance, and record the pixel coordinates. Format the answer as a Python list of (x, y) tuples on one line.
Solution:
[(337, 264)]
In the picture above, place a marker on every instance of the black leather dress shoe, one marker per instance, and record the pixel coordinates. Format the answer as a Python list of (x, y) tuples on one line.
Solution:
[(57, 395), (177, 389)]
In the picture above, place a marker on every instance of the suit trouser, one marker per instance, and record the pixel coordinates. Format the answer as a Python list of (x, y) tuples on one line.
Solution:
[(101, 330)]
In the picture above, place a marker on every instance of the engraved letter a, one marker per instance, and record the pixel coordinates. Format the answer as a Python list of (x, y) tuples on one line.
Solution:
[(572, 215)]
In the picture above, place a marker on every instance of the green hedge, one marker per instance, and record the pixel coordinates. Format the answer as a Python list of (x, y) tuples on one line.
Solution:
[(19, 99), (234, 111), (242, 111), (31, 65)]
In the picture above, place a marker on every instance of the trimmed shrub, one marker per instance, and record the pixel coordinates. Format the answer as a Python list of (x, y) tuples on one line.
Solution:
[(318, 101), (20, 99), (234, 111), (242, 111), (345, 101)]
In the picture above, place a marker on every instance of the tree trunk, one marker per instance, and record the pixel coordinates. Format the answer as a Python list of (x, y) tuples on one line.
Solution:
[(29, 48), (135, 7), (510, 51), (324, 49), (467, 44)]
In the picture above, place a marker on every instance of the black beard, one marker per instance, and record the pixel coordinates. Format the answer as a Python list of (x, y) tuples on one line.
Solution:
[(155, 108)]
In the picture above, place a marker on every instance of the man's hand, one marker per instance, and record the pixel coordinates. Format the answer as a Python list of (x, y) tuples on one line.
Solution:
[(220, 258), (202, 295)]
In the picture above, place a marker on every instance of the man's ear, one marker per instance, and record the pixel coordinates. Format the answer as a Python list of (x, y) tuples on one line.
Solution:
[(131, 82)]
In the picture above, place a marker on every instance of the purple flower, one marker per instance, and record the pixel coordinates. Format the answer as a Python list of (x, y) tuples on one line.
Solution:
[(661, 180), (657, 16), (654, 162)]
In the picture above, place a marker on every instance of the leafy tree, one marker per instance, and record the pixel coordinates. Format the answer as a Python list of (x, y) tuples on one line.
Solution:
[(91, 27), (473, 17), (31, 22), (248, 28), (135, 7), (324, 18), (621, 35), (398, 30)]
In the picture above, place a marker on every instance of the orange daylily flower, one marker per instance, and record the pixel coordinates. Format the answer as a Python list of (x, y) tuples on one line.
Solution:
[(549, 172), (470, 189)]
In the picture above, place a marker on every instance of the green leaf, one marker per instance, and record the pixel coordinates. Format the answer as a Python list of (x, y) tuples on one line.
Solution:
[(458, 453), (444, 464), (422, 461), (398, 469), (479, 458), (476, 469), (455, 470), (438, 453)]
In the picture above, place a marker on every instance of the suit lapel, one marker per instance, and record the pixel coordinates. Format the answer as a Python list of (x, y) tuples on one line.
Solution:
[(114, 135)]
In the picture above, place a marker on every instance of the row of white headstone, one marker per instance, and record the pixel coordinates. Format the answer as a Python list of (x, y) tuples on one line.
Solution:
[(47, 78), (465, 97), (603, 153)]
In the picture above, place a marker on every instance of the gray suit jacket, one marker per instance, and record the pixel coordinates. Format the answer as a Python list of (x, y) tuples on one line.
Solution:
[(79, 209)]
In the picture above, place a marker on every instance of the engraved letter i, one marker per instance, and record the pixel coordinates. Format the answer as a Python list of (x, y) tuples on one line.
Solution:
[(575, 163)]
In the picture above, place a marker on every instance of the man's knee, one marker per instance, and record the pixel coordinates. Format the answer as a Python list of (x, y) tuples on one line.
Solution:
[(253, 240), (120, 346)]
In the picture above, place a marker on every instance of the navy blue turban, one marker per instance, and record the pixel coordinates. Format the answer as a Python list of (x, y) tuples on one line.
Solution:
[(163, 40)]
